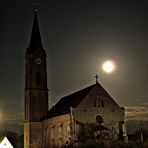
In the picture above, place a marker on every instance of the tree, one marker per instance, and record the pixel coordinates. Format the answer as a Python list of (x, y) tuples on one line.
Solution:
[(20, 141)]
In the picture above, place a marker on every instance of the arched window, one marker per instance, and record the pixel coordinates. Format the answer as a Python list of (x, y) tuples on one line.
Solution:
[(99, 119)]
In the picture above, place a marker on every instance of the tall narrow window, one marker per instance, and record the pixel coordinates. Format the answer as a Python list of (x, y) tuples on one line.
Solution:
[(38, 78), (94, 103), (102, 103), (34, 100)]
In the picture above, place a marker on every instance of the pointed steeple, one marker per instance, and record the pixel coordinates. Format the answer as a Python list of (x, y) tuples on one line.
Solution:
[(35, 41)]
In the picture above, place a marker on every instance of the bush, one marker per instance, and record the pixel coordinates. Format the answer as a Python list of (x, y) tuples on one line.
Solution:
[(91, 144), (145, 144), (131, 145)]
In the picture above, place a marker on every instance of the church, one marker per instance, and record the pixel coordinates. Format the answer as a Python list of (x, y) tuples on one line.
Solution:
[(63, 123)]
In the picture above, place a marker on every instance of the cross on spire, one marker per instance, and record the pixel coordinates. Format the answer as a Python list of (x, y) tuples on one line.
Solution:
[(97, 77), (35, 41), (36, 5)]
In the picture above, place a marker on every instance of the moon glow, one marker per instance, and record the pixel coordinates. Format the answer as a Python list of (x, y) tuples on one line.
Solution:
[(108, 66)]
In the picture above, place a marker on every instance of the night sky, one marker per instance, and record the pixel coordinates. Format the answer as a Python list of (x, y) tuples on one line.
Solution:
[(78, 36)]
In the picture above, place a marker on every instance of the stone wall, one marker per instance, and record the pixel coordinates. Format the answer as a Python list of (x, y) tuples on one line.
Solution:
[(33, 135), (57, 130), (98, 103)]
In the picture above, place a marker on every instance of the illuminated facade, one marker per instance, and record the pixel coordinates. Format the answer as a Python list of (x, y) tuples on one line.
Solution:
[(63, 122)]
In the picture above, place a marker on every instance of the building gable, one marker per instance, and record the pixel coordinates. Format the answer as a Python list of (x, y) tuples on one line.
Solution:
[(98, 97), (64, 104), (92, 96)]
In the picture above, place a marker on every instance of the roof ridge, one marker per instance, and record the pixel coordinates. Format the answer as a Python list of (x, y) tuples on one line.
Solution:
[(73, 100), (63, 105), (76, 92)]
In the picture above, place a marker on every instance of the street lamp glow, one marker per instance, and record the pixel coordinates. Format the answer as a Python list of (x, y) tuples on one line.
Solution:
[(1, 115)]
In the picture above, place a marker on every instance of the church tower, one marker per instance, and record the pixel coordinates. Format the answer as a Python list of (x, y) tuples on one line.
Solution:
[(36, 91)]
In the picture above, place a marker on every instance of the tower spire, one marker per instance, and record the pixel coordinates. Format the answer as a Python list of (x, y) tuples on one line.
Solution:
[(35, 41)]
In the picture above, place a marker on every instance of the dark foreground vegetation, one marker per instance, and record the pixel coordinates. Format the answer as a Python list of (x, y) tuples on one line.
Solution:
[(110, 144), (139, 139)]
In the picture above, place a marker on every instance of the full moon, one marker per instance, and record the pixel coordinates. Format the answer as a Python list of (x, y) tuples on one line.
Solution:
[(108, 66)]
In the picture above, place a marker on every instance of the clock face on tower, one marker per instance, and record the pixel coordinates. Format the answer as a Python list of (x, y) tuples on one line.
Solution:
[(38, 61)]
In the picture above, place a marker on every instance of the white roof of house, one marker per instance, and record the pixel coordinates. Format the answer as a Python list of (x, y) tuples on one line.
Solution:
[(5, 143)]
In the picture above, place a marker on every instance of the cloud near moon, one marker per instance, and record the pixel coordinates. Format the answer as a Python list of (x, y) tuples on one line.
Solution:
[(139, 113)]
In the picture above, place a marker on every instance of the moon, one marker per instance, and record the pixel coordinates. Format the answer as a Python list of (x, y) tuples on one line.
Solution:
[(108, 66)]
